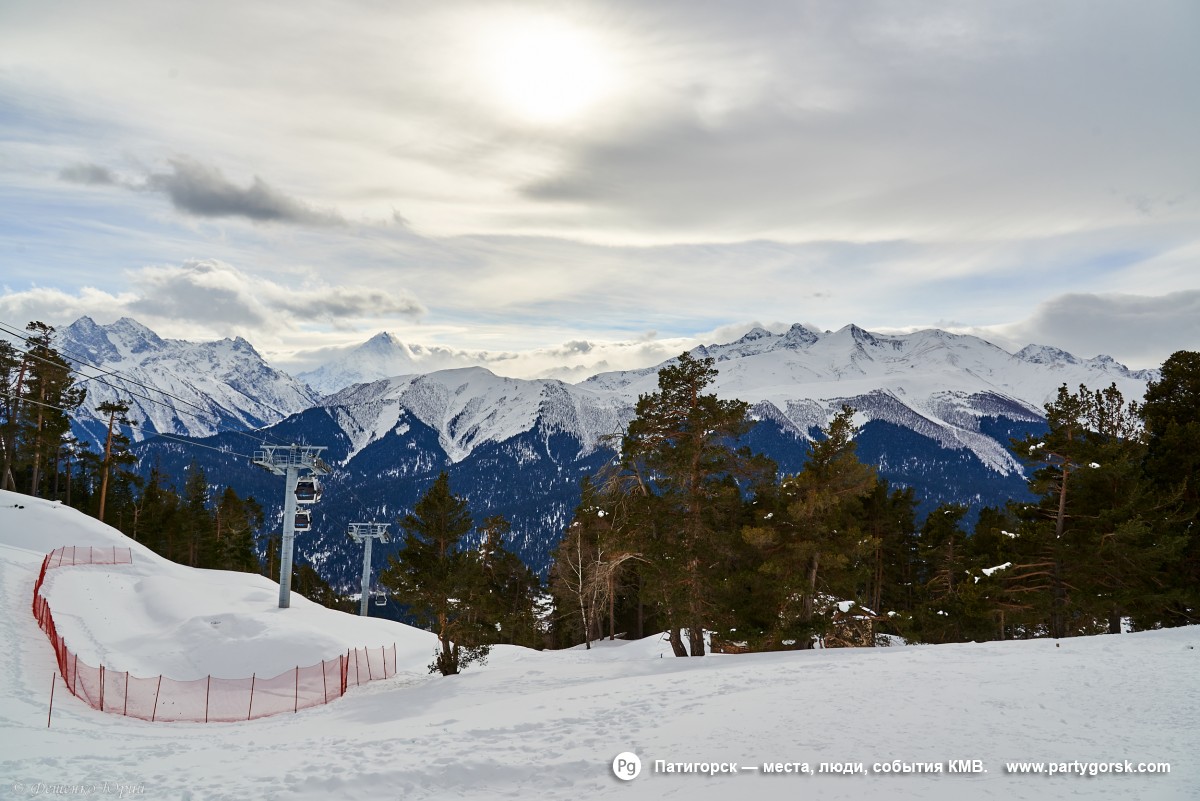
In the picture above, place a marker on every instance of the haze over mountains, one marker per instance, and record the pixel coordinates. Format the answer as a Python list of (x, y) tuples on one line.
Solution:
[(936, 412)]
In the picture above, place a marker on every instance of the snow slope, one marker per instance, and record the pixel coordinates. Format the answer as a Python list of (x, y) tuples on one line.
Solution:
[(548, 725), (217, 385), (935, 383), (471, 405)]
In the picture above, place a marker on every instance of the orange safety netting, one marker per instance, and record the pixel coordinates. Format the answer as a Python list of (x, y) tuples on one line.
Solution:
[(200, 700)]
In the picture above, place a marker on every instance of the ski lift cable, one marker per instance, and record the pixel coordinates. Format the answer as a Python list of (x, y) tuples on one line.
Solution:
[(128, 379), (105, 371), (118, 375), (136, 425), (152, 429)]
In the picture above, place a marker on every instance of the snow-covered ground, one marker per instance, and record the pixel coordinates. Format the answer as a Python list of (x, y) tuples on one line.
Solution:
[(549, 725)]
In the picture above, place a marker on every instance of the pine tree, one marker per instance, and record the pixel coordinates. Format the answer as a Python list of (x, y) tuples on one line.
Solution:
[(953, 606), (116, 448), (1171, 413), (234, 522), (39, 393), (434, 577), (506, 598), (889, 519), (679, 460), (1096, 543), (197, 529), (814, 548)]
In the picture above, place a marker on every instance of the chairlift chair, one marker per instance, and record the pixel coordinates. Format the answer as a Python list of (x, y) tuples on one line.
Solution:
[(380, 598), (308, 490)]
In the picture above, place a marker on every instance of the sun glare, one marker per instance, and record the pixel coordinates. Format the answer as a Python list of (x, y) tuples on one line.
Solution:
[(549, 71)]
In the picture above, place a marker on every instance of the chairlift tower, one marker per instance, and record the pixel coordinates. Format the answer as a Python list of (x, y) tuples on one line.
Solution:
[(289, 461), (366, 533)]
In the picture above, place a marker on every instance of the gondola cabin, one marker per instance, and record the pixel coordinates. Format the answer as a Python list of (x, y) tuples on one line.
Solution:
[(308, 490), (303, 521)]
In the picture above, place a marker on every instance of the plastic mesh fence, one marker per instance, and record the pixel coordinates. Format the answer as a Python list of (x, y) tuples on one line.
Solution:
[(207, 700)]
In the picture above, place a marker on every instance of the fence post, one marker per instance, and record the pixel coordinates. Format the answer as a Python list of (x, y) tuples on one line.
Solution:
[(51, 712), (383, 656), (102, 688), (370, 673), (324, 681), (157, 690), (358, 668), (207, 690), (75, 677), (125, 711), (296, 708), (250, 711)]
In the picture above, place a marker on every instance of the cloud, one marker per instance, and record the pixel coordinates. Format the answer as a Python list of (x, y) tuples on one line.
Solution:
[(59, 308), (1137, 330), (216, 293), (202, 190), (88, 174), (209, 297), (198, 189)]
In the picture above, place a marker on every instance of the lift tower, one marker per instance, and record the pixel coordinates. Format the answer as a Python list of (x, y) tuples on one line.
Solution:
[(289, 460), (366, 533)]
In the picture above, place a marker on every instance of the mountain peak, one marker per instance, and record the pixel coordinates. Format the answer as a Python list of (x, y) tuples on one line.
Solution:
[(798, 336), (859, 335), (1045, 354), (754, 334)]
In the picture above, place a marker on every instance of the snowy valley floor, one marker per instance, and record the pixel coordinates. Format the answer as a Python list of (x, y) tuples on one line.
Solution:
[(548, 725)]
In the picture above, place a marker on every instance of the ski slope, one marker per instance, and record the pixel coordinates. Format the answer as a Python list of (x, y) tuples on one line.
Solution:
[(548, 725)]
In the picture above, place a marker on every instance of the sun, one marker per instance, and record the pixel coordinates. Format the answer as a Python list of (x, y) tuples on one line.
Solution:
[(548, 71)]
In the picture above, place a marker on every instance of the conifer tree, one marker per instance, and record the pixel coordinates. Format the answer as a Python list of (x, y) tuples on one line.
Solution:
[(814, 547), (1095, 544), (434, 577), (1171, 413), (116, 448), (679, 459), (39, 393), (506, 598), (234, 522), (196, 521)]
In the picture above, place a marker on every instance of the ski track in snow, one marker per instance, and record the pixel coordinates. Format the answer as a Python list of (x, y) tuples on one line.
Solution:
[(547, 725)]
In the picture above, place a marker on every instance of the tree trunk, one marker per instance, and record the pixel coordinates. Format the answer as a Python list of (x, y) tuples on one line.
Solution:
[(696, 640), (1058, 618), (677, 643), (10, 444), (104, 471), (612, 618)]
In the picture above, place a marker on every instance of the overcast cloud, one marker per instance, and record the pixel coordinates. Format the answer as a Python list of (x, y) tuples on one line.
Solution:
[(538, 185)]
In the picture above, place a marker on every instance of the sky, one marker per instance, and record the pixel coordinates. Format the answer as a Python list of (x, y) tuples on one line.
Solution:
[(554, 188)]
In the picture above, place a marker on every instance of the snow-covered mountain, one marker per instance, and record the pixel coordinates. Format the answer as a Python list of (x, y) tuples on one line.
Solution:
[(471, 406), (173, 386), (932, 382), (382, 356), (936, 410), (935, 383)]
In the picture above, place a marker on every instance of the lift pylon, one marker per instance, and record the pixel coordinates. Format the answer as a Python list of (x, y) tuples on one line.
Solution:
[(366, 533), (289, 461)]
